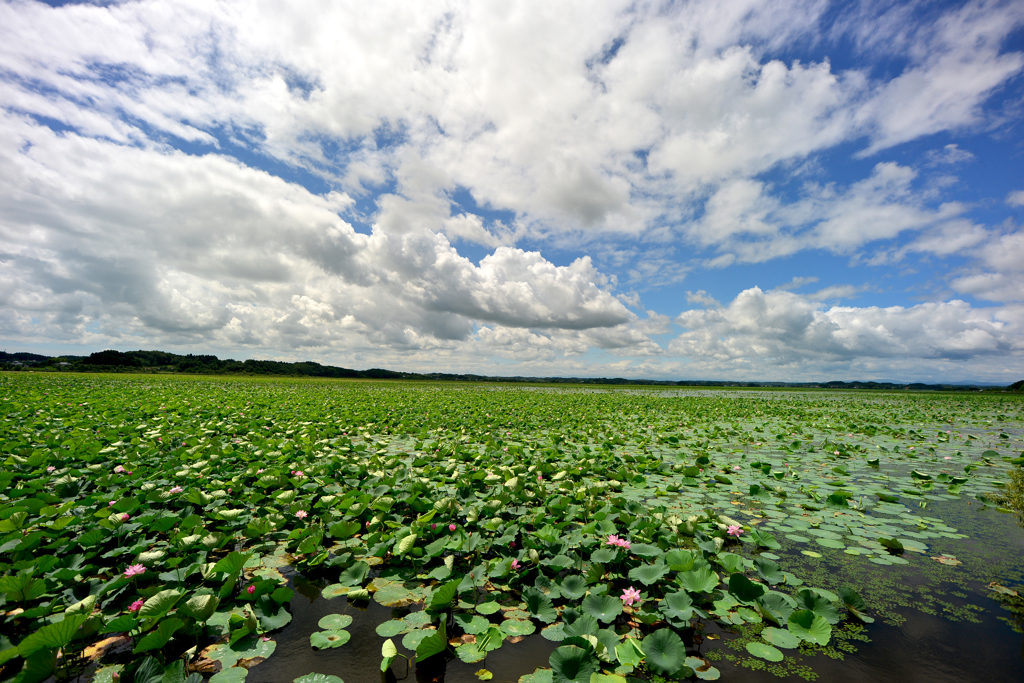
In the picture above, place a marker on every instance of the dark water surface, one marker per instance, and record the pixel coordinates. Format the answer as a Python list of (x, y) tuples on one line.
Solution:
[(924, 648)]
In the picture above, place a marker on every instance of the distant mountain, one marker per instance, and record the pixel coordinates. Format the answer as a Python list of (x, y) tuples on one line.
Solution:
[(201, 364)]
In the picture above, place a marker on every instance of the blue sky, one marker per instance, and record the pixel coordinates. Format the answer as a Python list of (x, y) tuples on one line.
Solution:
[(752, 190)]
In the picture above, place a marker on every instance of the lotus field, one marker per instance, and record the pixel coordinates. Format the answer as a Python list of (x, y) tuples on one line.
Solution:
[(159, 529)]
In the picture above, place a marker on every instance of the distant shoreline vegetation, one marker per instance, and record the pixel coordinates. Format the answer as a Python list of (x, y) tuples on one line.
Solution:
[(151, 362)]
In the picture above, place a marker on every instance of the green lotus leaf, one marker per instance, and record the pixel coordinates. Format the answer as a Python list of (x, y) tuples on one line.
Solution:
[(679, 560), (810, 627), (123, 623), (555, 632), (603, 555), (517, 627), (200, 607), (764, 651), (233, 675), (764, 539), (702, 580), (159, 605), (730, 562), (664, 651), (677, 608), (780, 638), (603, 607), (325, 640), (486, 608), (433, 644), (776, 607), (412, 639), (855, 604), (159, 637), (648, 574), (572, 664), (443, 596), (394, 595), (806, 599), (573, 587), (644, 550), (317, 678), (538, 676), (892, 544), (391, 628), (272, 615), (53, 636), (473, 624), (744, 589), (539, 605), (355, 574), (585, 625), (470, 653), (629, 652), (769, 571), (335, 622)]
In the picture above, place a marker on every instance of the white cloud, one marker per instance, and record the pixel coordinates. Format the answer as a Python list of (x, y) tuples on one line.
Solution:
[(950, 154), (782, 328), (179, 247), (492, 97), (1015, 198)]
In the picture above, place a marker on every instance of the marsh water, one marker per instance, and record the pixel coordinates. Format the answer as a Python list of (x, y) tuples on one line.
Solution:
[(962, 634)]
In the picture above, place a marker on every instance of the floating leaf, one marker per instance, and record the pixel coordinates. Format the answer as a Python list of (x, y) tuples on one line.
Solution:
[(764, 651), (334, 622), (780, 638)]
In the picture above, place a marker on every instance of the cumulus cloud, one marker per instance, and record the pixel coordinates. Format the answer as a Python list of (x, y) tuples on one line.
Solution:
[(615, 130), (94, 233), (150, 151), (786, 329)]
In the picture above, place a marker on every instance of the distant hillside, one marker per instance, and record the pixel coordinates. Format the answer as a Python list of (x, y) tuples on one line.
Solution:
[(164, 362)]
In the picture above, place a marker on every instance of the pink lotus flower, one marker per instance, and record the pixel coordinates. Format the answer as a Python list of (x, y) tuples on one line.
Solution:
[(259, 471), (125, 517), (118, 469), (250, 590), (432, 526), (736, 468), (948, 458), (612, 540), (451, 527), (176, 489), (512, 544), (301, 514), (624, 544), (734, 530), (630, 595), (299, 474), (134, 570), (516, 565), (51, 468), (111, 503), (136, 606)]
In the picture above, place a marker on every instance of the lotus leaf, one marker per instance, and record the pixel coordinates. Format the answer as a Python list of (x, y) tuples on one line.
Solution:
[(323, 640), (664, 652), (699, 581), (603, 607), (810, 627), (572, 664), (764, 651)]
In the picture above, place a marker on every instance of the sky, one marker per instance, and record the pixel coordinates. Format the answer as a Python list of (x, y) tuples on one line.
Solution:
[(794, 190)]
